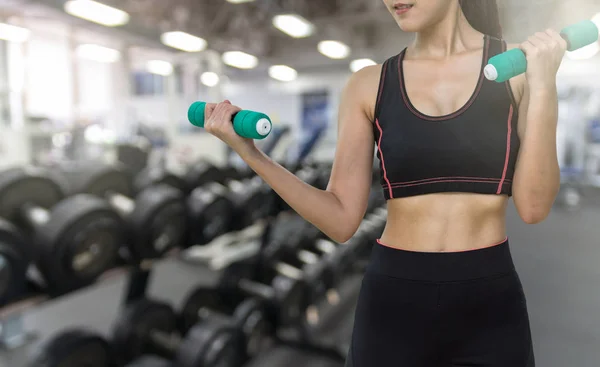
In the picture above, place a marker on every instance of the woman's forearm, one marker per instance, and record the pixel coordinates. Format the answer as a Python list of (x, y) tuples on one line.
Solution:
[(320, 207), (538, 178)]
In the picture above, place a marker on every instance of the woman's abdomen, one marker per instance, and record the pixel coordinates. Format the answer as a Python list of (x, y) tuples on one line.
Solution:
[(447, 222)]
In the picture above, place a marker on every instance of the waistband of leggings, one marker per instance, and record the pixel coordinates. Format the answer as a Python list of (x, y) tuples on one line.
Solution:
[(487, 262)]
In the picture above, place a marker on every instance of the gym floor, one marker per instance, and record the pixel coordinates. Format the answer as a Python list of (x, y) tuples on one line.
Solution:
[(557, 261)]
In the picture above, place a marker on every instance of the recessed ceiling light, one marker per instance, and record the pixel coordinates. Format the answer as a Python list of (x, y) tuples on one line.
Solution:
[(334, 49)]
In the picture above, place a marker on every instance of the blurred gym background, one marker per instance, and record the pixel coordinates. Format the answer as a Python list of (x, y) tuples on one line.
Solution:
[(87, 84)]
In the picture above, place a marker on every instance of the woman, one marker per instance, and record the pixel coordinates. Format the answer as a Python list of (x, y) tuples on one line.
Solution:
[(441, 288)]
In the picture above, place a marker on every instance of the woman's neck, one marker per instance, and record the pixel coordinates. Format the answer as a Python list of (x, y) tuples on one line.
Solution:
[(451, 35)]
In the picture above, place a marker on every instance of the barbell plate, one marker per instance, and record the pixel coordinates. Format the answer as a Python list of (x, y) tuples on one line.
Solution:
[(150, 361), (20, 186), (99, 179), (73, 348), (79, 243), (158, 222), (210, 212), (149, 177), (134, 324), (250, 316), (16, 254), (213, 342), (201, 298), (203, 172)]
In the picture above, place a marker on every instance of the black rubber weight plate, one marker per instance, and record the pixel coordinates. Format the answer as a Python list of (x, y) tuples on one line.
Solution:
[(81, 241), (209, 212), (156, 176), (150, 361), (15, 256), (74, 348), (214, 342), (198, 299), (27, 186), (203, 172), (135, 323), (159, 221), (100, 179)]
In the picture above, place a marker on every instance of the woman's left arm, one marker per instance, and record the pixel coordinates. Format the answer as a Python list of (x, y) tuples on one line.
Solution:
[(537, 175)]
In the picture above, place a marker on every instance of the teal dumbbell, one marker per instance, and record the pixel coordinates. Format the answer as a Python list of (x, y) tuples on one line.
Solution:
[(513, 62), (249, 124)]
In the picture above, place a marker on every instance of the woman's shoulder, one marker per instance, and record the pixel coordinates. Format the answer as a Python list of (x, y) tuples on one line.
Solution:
[(363, 85)]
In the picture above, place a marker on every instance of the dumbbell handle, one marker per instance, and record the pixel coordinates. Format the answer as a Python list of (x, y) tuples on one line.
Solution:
[(35, 215), (249, 124), (513, 62), (164, 342), (206, 313), (121, 203), (256, 289)]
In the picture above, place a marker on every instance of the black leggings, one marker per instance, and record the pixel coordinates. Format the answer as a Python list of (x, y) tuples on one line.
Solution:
[(462, 309)]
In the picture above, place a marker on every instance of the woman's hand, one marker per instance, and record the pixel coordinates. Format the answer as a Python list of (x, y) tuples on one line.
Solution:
[(218, 122), (544, 51)]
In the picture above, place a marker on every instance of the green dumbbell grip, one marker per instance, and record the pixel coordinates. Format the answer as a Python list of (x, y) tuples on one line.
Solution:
[(513, 62), (249, 124)]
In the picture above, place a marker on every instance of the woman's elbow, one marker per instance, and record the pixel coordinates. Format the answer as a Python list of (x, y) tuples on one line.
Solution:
[(533, 213), (342, 234)]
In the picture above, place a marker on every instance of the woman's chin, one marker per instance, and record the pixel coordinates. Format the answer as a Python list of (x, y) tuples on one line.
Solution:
[(408, 26)]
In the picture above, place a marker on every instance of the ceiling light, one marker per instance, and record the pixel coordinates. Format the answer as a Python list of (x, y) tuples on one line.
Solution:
[(97, 53), (240, 60), (209, 78), (293, 25), (13, 33), (239, 1), (585, 53), (183, 41), (358, 64), (159, 67), (97, 12), (282, 73), (334, 49)]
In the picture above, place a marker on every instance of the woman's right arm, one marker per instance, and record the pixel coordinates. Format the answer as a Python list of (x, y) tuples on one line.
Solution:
[(338, 210)]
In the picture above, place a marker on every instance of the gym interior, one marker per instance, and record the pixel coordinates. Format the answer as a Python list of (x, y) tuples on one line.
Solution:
[(148, 213)]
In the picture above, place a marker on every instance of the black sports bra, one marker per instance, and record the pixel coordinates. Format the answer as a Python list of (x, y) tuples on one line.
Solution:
[(471, 150)]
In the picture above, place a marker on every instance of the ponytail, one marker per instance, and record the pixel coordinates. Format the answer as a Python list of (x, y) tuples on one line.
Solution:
[(483, 15)]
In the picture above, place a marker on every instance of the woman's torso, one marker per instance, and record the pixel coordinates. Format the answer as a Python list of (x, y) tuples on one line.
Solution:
[(442, 219)]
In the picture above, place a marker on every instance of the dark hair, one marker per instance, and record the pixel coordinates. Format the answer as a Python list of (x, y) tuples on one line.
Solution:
[(483, 15)]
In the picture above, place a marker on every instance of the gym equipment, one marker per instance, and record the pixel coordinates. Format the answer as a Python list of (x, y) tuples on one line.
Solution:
[(249, 317), (249, 124), (211, 211), (215, 209), (153, 176), (150, 328), (73, 348), (285, 254), (74, 243), (15, 257), (156, 218), (513, 62), (344, 257), (150, 361), (134, 155), (285, 297)]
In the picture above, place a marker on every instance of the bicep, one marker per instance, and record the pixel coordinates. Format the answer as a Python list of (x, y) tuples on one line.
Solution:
[(353, 163)]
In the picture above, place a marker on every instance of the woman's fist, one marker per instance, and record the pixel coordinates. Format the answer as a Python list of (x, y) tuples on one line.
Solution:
[(218, 119), (544, 52)]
